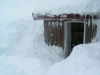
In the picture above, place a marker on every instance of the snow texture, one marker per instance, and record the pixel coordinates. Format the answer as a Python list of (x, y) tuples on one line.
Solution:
[(23, 50), (84, 60), (22, 47), (67, 6)]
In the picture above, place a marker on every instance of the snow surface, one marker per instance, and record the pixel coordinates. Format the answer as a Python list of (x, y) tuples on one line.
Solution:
[(24, 52), (67, 6), (84, 60), (22, 47)]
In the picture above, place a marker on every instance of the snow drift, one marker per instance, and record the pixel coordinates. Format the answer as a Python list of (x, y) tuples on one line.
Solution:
[(84, 60), (67, 6), (22, 47)]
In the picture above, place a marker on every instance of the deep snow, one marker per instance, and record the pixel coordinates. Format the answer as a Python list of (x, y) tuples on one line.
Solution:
[(24, 52), (67, 6), (22, 47), (84, 60)]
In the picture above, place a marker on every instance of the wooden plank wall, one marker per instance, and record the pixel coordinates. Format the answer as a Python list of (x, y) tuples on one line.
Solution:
[(91, 31), (54, 32)]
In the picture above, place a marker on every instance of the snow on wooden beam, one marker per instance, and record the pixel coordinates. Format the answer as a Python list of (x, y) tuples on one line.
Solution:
[(44, 17), (64, 17)]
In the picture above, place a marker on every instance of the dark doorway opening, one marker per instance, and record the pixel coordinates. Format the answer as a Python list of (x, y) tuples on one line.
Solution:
[(77, 33)]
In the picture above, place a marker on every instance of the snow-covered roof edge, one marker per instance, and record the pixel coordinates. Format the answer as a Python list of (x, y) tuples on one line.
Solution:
[(64, 16)]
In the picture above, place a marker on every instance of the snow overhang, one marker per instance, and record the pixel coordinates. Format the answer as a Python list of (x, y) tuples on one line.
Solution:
[(67, 6)]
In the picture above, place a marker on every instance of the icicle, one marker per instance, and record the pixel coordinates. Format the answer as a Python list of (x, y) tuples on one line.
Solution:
[(97, 36), (61, 19), (64, 16), (53, 23), (49, 23), (61, 23), (57, 23)]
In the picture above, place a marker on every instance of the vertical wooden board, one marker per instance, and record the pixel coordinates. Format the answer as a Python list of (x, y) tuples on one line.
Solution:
[(95, 30), (87, 33), (48, 40), (61, 40), (53, 28), (45, 31), (62, 35), (91, 32), (51, 33), (56, 33), (59, 33)]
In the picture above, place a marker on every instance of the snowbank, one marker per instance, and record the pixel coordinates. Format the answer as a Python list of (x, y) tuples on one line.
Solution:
[(22, 47), (13, 65), (23, 50), (84, 60), (67, 6)]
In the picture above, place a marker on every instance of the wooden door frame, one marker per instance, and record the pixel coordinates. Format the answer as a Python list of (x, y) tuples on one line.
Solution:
[(67, 39)]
